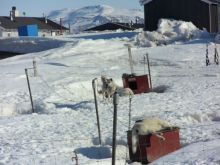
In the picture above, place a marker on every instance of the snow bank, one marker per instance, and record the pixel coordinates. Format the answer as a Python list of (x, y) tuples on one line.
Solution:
[(29, 44), (168, 32)]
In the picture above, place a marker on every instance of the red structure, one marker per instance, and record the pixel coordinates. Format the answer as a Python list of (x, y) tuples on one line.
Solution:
[(138, 84), (151, 147), (61, 27)]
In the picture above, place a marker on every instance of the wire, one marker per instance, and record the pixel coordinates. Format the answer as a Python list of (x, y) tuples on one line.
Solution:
[(56, 92)]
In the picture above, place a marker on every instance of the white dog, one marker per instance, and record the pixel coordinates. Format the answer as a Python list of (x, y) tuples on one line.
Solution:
[(104, 86), (110, 90), (124, 91), (150, 125)]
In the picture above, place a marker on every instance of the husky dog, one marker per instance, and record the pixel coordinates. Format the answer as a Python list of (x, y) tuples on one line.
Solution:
[(150, 125), (124, 91), (110, 89)]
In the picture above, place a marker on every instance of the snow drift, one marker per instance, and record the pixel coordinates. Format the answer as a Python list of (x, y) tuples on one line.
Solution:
[(168, 32)]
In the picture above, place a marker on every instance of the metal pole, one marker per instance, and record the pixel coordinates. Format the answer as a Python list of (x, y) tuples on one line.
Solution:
[(130, 58), (97, 112), (76, 157), (149, 72), (29, 91), (115, 102), (144, 63)]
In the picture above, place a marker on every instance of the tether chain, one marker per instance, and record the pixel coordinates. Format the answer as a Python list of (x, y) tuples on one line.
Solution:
[(207, 56), (216, 55), (129, 124)]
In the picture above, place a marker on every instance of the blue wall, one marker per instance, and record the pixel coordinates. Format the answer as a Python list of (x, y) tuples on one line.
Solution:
[(29, 30)]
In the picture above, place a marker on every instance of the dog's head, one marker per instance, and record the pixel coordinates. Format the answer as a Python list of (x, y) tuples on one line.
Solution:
[(103, 78), (110, 83)]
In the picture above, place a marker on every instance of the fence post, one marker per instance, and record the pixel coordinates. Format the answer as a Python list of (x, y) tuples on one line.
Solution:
[(97, 112), (115, 102), (35, 67), (29, 90), (144, 63), (148, 63), (130, 58)]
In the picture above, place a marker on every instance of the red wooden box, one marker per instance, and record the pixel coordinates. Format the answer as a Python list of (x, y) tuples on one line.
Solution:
[(151, 147), (138, 84)]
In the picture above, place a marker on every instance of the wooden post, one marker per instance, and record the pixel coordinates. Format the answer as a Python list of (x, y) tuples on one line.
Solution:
[(115, 102), (149, 72), (130, 58), (97, 112), (29, 90), (35, 67), (216, 56)]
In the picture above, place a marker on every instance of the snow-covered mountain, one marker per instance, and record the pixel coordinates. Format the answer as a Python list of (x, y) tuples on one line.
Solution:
[(91, 16)]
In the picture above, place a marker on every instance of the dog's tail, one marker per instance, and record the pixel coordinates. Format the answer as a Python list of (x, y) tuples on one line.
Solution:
[(134, 139), (131, 92)]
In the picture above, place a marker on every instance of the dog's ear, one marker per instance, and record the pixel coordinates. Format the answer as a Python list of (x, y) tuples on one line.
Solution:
[(111, 79)]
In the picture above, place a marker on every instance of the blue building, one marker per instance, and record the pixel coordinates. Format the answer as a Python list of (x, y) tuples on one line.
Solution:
[(28, 30)]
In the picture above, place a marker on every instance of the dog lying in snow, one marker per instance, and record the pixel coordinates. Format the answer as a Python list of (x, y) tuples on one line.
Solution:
[(124, 91), (149, 125)]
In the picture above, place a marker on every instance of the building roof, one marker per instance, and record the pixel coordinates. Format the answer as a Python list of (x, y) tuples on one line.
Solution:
[(143, 2), (7, 23), (115, 26)]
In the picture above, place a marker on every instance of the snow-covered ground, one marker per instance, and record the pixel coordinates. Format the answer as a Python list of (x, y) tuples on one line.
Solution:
[(65, 116)]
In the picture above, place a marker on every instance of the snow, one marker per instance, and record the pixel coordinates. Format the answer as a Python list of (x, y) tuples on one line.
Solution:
[(186, 94), (169, 31), (91, 16)]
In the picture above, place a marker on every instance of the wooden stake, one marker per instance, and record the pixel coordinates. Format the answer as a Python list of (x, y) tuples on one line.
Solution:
[(29, 90), (35, 67), (115, 102), (149, 72), (130, 59), (97, 111)]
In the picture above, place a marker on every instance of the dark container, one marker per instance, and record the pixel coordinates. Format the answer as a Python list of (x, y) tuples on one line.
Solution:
[(138, 84), (151, 147)]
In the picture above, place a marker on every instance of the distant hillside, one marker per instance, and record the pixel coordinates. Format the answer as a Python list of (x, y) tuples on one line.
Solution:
[(91, 16)]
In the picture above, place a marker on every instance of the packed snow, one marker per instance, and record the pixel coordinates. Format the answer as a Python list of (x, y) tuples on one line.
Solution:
[(185, 94)]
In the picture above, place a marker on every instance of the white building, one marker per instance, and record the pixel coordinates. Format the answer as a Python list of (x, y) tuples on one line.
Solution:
[(9, 25)]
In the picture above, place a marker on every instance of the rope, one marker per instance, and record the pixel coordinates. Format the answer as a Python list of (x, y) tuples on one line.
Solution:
[(56, 92), (113, 114)]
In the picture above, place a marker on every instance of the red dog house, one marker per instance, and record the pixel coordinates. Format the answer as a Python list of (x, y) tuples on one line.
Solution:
[(138, 84), (151, 147)]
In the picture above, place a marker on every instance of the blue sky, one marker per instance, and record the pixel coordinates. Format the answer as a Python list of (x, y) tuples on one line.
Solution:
[(38, 7)]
